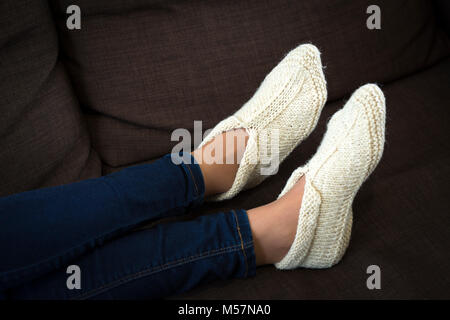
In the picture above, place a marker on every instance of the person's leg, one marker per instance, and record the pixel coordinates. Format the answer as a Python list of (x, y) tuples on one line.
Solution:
[(274, 225), (166, 259), (51, 226), (307, 226), (175, 257), (220, 158), (41, 230), (294, 112)]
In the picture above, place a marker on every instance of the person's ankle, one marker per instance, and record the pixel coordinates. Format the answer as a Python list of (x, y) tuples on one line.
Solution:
[(274, 225), (219, 160)]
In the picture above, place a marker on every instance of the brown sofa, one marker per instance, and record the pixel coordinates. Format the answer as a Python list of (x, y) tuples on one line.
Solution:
[(77, 104)]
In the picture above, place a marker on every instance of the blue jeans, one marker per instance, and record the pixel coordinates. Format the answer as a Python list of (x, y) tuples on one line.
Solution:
[(97, 225)]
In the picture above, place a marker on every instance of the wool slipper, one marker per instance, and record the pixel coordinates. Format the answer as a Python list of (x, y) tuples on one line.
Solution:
[(287, 104), (349, 152)]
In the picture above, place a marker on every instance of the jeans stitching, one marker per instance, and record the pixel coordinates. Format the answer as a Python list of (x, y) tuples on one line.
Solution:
[(156, 269), (242, 243), (193, 179)]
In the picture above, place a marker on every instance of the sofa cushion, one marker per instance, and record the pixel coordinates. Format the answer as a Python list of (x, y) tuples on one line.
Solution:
[(145, 68), (401, 214), (43, 138)]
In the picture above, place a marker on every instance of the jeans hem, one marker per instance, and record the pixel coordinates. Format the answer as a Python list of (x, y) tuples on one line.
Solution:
[(246, 239), (195, 177)]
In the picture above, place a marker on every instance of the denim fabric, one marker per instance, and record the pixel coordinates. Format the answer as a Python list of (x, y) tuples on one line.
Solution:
[(91, 224)]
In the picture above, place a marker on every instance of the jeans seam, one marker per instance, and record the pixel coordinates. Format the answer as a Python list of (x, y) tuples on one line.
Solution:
[(159, 268), (242, 243), (193, 179)]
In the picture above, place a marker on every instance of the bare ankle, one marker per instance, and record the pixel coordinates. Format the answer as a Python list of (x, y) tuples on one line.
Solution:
[(274, 225), (219, 160)]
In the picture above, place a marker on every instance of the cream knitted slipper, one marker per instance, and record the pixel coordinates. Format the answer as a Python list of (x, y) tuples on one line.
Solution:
[(289, 100), (349, 152)]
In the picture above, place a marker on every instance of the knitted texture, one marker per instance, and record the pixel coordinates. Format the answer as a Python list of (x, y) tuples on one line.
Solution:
[(349, 152), (288, 102)]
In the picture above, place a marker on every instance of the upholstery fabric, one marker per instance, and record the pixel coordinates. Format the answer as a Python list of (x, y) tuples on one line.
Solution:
[(43, 138), (148, 67), (82, 103)]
